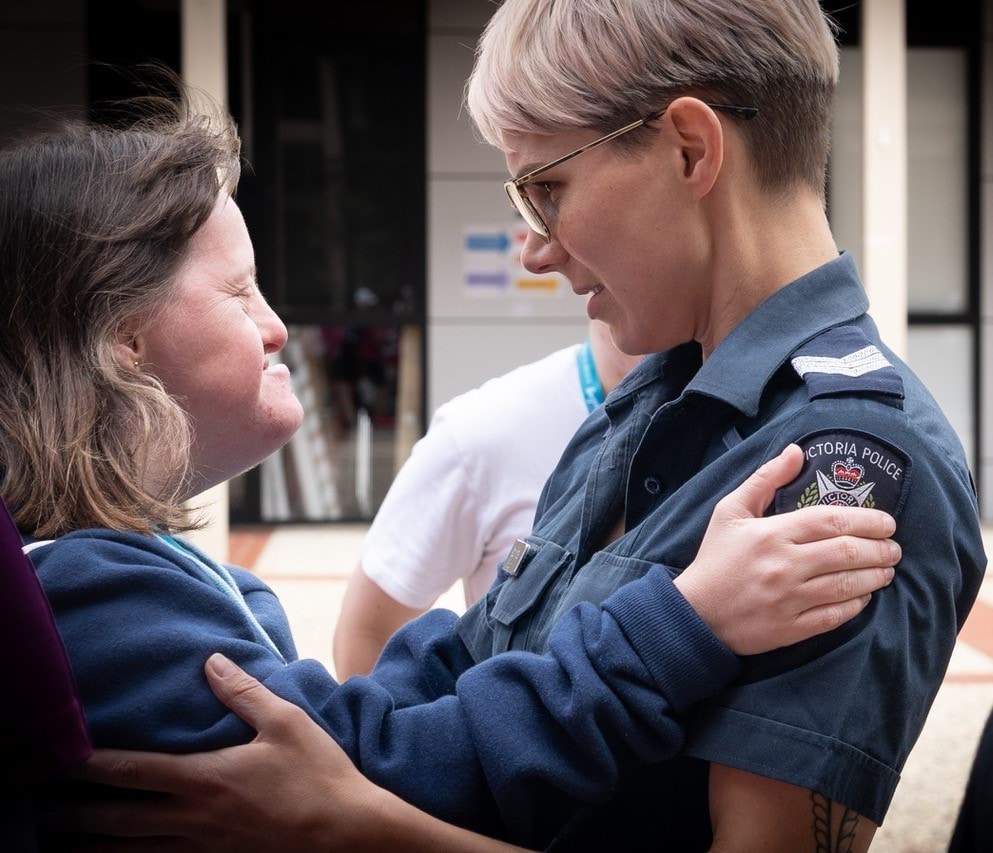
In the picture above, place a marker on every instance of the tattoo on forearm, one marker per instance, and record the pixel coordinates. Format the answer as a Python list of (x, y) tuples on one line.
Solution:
[(824, 836)]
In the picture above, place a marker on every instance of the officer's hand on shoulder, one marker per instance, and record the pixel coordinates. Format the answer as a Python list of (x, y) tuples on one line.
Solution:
[(765, 582)]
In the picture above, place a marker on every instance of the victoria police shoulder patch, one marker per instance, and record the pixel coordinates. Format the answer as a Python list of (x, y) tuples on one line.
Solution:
[(848, 468)]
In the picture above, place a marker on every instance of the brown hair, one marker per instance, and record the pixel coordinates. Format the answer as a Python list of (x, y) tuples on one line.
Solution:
[(94, 224)]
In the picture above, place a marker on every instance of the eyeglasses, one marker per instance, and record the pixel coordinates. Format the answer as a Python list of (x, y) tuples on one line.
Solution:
[(517, 187)]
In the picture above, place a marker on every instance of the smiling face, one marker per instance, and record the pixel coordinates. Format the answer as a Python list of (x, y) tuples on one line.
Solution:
[(210, 348), (626, 228)]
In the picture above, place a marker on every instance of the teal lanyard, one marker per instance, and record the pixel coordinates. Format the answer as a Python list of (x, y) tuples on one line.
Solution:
[(588, 379), (221, 578)]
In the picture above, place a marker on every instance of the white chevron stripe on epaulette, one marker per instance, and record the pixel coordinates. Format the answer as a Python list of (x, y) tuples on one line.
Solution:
[(27, 549), (855, 364)]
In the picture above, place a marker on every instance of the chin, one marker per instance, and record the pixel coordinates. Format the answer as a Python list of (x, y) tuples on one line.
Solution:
[(281, 419), (281, 429), (647, 341), (631, 343), (257, 441)]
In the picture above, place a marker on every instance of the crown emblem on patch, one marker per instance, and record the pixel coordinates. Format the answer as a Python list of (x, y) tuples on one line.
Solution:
[(840, 485), (847, 474)]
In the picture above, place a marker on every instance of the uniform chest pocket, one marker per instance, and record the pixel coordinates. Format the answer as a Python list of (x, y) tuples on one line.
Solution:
[(603, 575), (516, 604), (593, 583)]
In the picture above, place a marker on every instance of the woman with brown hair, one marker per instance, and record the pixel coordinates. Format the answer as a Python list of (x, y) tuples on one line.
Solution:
[(136, 373)]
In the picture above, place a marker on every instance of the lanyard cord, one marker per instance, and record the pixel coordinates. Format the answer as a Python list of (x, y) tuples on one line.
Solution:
[(221, 578), (589, 382)]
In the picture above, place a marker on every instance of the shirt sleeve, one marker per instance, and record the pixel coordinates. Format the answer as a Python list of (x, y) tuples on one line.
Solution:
[(840, 712), (428, 532), (509, 747)]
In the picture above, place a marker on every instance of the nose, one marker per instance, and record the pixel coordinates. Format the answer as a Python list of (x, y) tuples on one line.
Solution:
[(273, 330), (542, 258)]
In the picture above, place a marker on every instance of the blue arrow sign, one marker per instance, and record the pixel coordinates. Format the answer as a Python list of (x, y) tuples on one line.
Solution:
[(497, 242)]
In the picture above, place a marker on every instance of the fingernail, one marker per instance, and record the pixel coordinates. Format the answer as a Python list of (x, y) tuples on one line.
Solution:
[(889, 572), (221, 665), (895, 552)]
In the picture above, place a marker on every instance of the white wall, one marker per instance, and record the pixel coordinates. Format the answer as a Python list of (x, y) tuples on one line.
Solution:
[(471, 338), (986, 268), (937, 153)]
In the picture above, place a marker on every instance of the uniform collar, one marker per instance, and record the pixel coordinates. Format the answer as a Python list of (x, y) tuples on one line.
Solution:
[(744, 362), (681, 361)]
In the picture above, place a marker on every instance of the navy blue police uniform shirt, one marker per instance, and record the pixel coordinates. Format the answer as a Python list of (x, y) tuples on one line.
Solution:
[(838, 713)]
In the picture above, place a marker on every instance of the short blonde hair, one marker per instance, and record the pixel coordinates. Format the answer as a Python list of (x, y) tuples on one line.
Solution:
[(549, 65), (94, 224)]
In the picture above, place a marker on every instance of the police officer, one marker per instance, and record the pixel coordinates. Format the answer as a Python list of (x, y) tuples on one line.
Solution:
[(679, 179)]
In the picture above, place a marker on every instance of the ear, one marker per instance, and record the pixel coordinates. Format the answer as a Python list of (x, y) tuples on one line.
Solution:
[(700, 137), (129, 345)]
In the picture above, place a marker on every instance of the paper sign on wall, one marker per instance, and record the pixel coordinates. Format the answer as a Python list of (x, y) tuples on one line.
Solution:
[(491, 264)]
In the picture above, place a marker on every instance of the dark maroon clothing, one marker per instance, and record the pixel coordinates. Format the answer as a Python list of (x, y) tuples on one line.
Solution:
[(42, 721)]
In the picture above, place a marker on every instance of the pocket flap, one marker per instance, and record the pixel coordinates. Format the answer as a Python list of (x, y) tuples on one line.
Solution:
[(518, 594)]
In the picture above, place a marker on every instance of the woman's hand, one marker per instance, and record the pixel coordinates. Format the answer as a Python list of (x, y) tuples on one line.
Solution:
[(761, 583), (290, 789)]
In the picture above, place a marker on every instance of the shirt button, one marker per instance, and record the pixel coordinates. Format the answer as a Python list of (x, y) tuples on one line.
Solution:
[(652, 485)]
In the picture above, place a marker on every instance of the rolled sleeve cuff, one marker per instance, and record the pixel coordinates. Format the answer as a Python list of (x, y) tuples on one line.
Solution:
[(807, 759), (685, 659)]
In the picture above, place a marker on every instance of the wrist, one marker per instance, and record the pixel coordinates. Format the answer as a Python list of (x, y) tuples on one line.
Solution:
[(683, 656), (385, 823), (690, 590), (389, 824)]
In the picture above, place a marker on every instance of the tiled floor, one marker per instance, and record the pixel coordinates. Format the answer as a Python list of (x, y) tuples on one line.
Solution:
[(308, 568)]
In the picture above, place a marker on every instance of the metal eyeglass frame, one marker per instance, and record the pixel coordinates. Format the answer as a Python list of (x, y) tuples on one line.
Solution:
[(515, 187)]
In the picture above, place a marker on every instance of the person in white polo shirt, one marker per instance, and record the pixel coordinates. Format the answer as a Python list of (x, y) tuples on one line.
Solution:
[(469, 489)]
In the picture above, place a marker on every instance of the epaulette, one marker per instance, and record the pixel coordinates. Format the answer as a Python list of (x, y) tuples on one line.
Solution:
[(843, 360)]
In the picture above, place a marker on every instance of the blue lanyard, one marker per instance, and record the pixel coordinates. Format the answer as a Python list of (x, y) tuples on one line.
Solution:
[(588, 379), (221, 578)]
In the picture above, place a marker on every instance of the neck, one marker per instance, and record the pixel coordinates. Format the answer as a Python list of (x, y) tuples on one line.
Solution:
[(760, 248), (611, 364)]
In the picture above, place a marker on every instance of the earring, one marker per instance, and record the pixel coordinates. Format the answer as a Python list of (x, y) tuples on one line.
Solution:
[(137, 364)]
